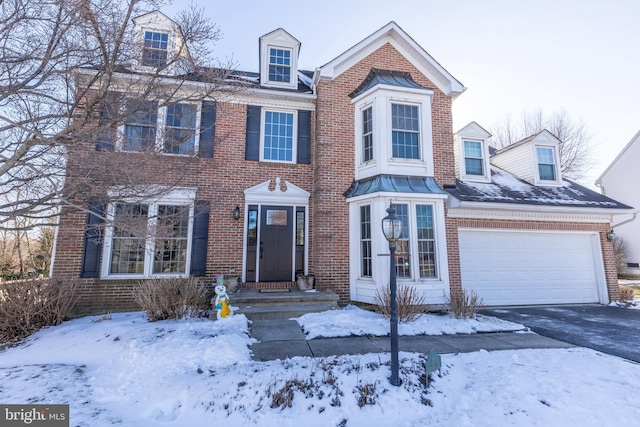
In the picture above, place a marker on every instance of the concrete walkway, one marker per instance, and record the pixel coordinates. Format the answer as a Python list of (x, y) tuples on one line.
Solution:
[(282, 339)]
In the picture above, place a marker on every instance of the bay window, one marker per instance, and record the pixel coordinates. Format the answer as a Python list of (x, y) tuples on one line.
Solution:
[(417, 242)]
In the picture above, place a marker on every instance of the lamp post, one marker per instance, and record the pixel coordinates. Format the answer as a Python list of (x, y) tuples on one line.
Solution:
[(392, 229)]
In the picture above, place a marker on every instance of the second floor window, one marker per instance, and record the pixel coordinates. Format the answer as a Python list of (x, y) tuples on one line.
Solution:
[(180, 130), (473, 158), (278, 136), (140, 130), (279, 65), (154, 52), (367, 134), (546, 164), (405, 131)]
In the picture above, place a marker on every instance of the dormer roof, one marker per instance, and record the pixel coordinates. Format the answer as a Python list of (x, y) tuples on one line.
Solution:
[(173, 44), (403, 43)]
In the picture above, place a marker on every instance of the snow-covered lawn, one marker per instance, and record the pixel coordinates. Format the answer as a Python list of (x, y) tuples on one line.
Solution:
[(130, 372)]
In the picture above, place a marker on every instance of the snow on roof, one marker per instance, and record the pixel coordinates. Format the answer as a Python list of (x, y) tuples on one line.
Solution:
[(507, 188)]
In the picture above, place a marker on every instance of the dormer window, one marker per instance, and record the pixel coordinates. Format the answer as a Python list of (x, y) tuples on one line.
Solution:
[(154, 52), (546, 164), (473, 161), (279, 65)]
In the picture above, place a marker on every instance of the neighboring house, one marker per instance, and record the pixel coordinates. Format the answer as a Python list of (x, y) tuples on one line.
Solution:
[(295, 175), (616, 181)]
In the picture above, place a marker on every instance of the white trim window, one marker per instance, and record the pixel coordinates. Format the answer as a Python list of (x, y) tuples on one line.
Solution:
[(280, 65), (155, 48), (417, 242), (278, 141), (405, 131), (546, 164), (171, 129), (473, 158), (367, 134), (366, 258), (148, 240)]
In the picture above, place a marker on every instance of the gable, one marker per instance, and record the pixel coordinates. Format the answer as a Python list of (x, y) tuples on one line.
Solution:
[(406, 46), (624, 163)]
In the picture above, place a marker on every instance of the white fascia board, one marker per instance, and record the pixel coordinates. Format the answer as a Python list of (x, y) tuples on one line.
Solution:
[(559, 213), (393, 195), (394, 90)]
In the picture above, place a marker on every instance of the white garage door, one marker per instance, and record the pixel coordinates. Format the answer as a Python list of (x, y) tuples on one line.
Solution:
[(525, 267)]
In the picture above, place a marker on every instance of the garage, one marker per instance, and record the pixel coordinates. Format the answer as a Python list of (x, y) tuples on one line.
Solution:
[(522, 267)]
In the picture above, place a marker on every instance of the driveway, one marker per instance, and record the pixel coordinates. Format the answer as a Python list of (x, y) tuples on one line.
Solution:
[(611, 330)]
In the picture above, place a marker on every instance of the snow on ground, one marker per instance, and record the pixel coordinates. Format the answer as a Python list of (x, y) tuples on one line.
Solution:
[(130, 372)]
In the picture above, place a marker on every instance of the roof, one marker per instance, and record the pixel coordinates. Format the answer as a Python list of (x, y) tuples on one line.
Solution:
[(508, 189), (394, 184), (386, 77)]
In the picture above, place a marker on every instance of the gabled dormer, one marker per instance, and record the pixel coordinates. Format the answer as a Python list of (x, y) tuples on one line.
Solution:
[(535, 159), (159, 44), (279, 53), (472, 154)]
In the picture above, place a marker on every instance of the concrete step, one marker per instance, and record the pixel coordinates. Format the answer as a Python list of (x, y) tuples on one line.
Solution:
[(258, 305)]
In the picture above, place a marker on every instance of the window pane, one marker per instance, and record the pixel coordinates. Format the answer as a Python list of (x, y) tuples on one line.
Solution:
[(278, 136), (473, 166), (279, 65), (140, 130), (546, 164), (180, 131), (172, 231), (154, 52), (128, 241), (403, 266), (405, 133), (365, 241), (252, 227), (299, 228), (547, 172), (367, 135), (426, 241)]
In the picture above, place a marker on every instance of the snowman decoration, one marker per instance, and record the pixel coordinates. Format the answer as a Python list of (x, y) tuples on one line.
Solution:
[(221, 302)]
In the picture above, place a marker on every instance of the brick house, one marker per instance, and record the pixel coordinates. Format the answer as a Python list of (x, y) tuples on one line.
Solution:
[(295, 174)]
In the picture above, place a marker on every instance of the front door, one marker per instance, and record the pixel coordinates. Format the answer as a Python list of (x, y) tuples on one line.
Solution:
[(276, 244)]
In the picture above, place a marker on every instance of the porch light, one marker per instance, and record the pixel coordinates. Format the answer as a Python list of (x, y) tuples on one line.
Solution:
[(611, 236), (236, 213), (392, 229)]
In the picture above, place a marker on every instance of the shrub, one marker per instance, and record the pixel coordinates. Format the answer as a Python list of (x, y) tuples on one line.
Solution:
[(464, 305), (172, 298), (26, 306), (411, 303), (626, 293), (621, 253)]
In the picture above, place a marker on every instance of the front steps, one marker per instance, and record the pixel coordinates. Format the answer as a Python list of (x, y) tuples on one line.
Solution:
[(274, 305)]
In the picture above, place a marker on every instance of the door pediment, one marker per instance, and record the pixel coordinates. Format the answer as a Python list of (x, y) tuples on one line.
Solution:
[(266, 192)]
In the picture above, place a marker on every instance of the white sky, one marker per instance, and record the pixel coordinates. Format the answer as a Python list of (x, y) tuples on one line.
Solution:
[(513, 56)]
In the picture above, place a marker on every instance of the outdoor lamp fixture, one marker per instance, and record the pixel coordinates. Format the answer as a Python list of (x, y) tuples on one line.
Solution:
[(392, 229), (236, 213), (611, 236)]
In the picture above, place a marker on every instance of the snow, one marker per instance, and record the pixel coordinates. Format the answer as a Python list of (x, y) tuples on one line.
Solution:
[(124, 370)]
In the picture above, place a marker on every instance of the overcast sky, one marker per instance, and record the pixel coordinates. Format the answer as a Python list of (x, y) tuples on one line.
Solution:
[(513, 56)]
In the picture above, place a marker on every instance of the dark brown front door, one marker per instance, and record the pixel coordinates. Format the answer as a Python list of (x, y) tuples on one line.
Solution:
[(276, 244)]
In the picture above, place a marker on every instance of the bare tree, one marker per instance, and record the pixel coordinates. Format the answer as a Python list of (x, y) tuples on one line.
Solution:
[(575, 137), (67, 72)]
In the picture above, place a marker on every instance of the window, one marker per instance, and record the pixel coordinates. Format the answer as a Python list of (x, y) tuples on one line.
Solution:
[(473, 158), (149, 239), (154, 52), (278, 136), (367, 134), (405, 132), (546, 164), (279, 65), (180, 131), (140, 130), (417, 242), (403, 265), (365, 241), (426, 241)]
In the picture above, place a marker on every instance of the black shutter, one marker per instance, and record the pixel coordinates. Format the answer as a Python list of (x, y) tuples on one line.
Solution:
[(304, 136), (252, 148), (92, 248), (109, 110), (207, 129), (200, 238)]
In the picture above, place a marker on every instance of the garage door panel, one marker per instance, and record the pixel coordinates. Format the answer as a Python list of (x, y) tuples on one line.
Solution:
[(523, 267)]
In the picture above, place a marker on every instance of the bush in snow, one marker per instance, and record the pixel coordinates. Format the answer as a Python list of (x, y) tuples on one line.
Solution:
[(172, 297), (411, 303), (626, 293), (464, 305), (27, 306)]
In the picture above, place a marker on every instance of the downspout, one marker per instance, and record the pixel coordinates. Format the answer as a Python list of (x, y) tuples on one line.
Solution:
[(635, 214)]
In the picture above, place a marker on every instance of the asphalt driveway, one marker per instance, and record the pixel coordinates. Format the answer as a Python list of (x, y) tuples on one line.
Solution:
[(611, 330)]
